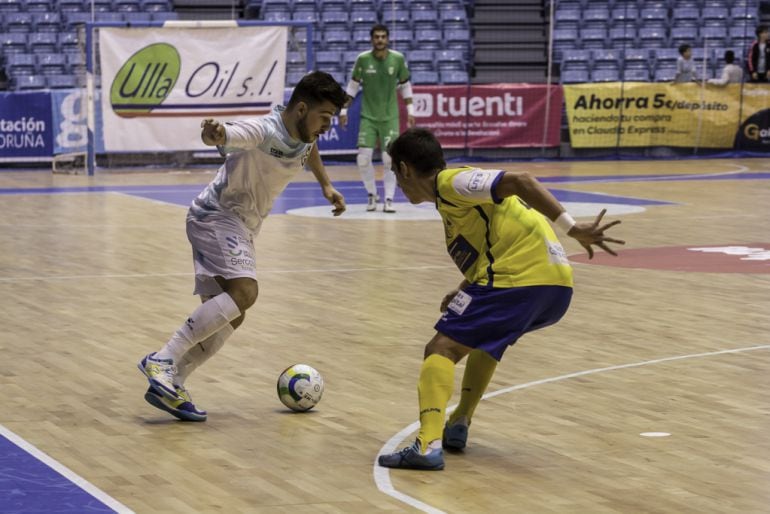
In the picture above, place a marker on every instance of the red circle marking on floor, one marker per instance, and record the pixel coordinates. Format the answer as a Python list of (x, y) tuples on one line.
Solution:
[(727, 258)]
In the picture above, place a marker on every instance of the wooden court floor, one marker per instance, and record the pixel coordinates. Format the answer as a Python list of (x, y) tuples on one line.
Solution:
[(91, 281)]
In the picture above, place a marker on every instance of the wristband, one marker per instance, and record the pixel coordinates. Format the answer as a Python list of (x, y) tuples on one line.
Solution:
[(410, 109), (343, 112), (565, 222)]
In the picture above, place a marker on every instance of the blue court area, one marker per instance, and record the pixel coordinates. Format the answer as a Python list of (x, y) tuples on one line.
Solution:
[(28, 485)]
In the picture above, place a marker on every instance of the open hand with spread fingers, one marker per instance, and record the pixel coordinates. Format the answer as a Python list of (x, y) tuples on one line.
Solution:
[(588, 234)]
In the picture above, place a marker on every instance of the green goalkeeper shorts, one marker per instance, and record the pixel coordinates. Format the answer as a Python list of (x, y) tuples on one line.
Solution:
[(371, 131)]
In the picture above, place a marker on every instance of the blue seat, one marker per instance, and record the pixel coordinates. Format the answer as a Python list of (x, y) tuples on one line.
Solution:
[(576, 60), (424, 77), (336, 39), (328, 58), (29, 82), (155, 6), (564, 39), (43, 42), (164, 16), (684, 35), (574, 76), (624, 15), (137, 17), (740, 37), (652, 37), (457, 36), (454, 19), (7, 6), (622, 37), (666, 57), (593, 38), (306, 16), (714, 36), (567, 19), (109, 16), (13, 42), (349, 58), (654, 17), (99, 5), (429, 40), (333, 5), (743, 14), (454, 77), (75, 18), (18, 22), (399, 18), (52, 64), (68, 42), (606, 59), (421, 60), (595, 18), (70, 6), (401, 39), (21, 64), (664, 74), (126, 5), (605, 75), (334, 19), (450, 60), (423, 20), (685, 17), (62, 82), (636, 74), (277, 16), (714, 16), (292, 78), (39, 6)]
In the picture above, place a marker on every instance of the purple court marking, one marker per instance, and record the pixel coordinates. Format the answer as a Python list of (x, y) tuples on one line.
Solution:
[(28, 485)]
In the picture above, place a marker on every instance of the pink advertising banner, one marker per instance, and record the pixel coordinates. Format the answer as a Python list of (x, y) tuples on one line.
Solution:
[(489, 115)]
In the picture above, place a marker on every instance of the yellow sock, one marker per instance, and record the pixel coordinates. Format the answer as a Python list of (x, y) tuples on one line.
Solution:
[(434, 389), (478, 372)]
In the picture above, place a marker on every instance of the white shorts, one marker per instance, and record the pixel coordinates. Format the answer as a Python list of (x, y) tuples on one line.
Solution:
[(222, 247)]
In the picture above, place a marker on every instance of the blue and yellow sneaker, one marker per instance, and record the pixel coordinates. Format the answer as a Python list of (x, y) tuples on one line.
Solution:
[(183, 409), (160, 373), (455, 436), (411, 458)]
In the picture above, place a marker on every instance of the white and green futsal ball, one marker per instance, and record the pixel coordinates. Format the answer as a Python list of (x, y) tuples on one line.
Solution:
[(300, 387)]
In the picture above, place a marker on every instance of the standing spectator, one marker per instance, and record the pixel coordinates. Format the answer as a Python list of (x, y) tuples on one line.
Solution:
[(685, 66), (731, 74), (759, 56)]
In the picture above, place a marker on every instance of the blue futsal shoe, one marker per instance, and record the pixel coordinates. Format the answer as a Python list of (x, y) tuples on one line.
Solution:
[(411, 458), (183, 409), (160, 373), (455, 436)]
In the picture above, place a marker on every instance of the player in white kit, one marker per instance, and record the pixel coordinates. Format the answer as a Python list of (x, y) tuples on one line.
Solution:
[(262, 156)]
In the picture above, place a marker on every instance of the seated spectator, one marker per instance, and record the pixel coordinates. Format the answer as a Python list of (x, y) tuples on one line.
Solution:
[(731, 74)]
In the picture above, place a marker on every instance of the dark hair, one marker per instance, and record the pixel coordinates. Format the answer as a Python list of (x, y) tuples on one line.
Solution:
[(729, 56), (316, 87), (420, 148), (760, 29), (683, 48), (379, 28)]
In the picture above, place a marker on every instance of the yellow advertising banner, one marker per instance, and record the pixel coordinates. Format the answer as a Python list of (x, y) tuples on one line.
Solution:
[(629, 114)]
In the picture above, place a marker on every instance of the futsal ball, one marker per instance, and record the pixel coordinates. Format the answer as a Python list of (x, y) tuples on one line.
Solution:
[(300, 387)]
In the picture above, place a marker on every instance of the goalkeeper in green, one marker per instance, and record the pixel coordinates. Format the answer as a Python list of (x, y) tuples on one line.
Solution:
[(381, 72)]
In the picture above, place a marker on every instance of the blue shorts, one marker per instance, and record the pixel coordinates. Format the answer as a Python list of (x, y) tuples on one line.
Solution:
[(492, 319)]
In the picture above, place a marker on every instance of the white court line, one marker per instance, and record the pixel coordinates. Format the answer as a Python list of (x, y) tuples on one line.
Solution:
[(382, 475), (66, 472), (259, 271)]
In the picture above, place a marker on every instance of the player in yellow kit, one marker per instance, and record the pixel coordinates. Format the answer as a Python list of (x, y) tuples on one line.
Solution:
[(517, 279)]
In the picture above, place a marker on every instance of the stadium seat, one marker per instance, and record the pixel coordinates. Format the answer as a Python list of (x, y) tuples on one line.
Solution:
[(70, 6), (334, 20), (363, 19), (593, 38), (277, 16), (292, 78), (684, 35), (421, 60), (13, 43), (454, 77), (685, 17), (155, 6), (333, 5), (448, 5), (126, 5), (743, 14), (714, 16), (424, 77), (68, 42), (665, 74), (574, 76), (654, 17), (605, 75), (624, 15), (576, 60), (567, 19), (636, 58), (99, 5), (595, 18), (109, 16), (21, 64), (424, 20), (52, 64), (422, 5), (429, 40), (61, 82), (336, 39), (450, 60), (328, 58), (401, 39), (43, 42), (622, 37), (39, 6), (564, 39), (349, 58), (454, 19), (652, 37), (666, 57), (305, 16), (606, 59), (29, 82), (636, 74), (74, 18), (714, 36), (138, 17), (18, 22), (7, 6)]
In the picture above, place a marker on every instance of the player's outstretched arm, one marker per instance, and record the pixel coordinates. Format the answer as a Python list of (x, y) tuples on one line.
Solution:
[(334, 197), (531, 191), (213, 132)]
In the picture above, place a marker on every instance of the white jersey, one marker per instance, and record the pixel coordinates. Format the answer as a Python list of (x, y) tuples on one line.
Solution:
[(261, 159)]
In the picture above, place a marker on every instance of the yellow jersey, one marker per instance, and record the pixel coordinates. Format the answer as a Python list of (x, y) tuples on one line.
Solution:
[(498, 242)]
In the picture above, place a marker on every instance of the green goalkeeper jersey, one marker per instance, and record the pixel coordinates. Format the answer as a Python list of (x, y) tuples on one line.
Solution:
[(379, 78)]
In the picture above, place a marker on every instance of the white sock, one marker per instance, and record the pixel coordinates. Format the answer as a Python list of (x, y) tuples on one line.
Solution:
[(207, 319), (388, 177), (365, 167), (433, 445), (200, 353)]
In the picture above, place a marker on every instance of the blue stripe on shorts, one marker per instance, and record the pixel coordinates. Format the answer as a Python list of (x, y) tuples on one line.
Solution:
[(492, 319)]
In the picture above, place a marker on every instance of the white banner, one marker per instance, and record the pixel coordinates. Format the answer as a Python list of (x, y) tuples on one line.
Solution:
[(158, 83)]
